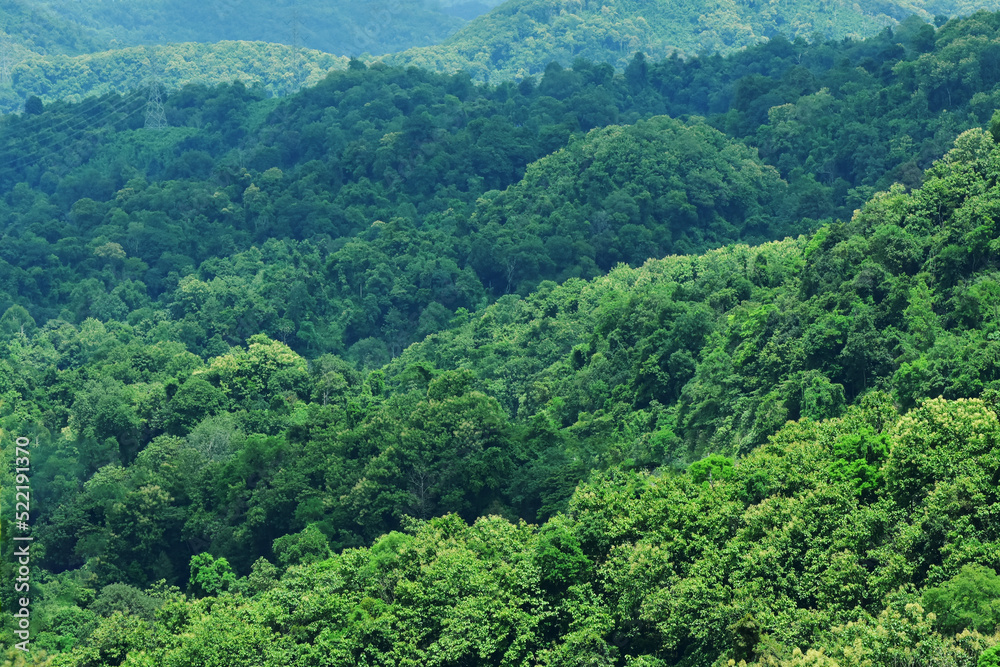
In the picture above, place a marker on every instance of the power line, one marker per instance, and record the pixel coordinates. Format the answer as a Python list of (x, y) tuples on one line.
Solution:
[(82, 108), (80, 119), (77, 129), (47, 150)]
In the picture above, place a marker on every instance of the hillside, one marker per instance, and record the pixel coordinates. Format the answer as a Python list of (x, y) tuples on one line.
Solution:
[(512, 41), (277, 68), (692, 364), (67, 50), (811, 546), (721, 349), (808, 552), (520, 37), (445, 164), (342, 28)]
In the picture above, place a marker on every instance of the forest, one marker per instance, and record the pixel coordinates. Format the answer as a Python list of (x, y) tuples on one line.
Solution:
[(67, 50), (278, 69), (69, 27), (520, 37), (688, 363)]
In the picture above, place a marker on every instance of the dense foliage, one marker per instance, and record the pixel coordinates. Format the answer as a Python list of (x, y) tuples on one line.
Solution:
[(343, 28), (520, 37), (277, 68), (317, 175), (371, 207), (382, 373), (256, 453), (779, 562)]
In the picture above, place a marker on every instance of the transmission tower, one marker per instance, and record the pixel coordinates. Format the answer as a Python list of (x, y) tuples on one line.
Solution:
[(296, 28), (156, 119), (296, 25), (5, 64)]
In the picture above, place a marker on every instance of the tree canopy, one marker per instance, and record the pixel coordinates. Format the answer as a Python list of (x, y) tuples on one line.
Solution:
[(690, 364)]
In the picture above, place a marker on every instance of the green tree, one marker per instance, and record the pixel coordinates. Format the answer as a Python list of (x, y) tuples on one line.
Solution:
[(16, 321), (210, 575), (195, 400), (970, 599), (308, 546)]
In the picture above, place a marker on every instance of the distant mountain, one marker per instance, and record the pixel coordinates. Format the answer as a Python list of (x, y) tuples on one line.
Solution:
[(520, 37), (67, 49), (340, 27), (279, 68)]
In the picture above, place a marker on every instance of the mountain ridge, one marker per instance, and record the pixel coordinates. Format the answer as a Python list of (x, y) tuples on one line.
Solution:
[(520, 37)]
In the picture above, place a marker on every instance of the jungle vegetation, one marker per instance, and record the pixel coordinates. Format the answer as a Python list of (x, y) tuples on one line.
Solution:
[(693, 363)]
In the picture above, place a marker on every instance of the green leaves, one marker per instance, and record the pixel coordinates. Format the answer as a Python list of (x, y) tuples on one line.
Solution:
[(858, 460), (643, 568), (560, 558), (209, 575), (969, 600), (621, 194), (942, 441), (714, 468), (265, 366), (195, 400), (307, 546), (990, 657), (16, 321)]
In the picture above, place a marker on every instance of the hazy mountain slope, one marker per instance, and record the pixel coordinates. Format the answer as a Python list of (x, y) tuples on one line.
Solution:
[(28, 27), (339, 26), (63, 49), (277, 67), (521, 37)]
